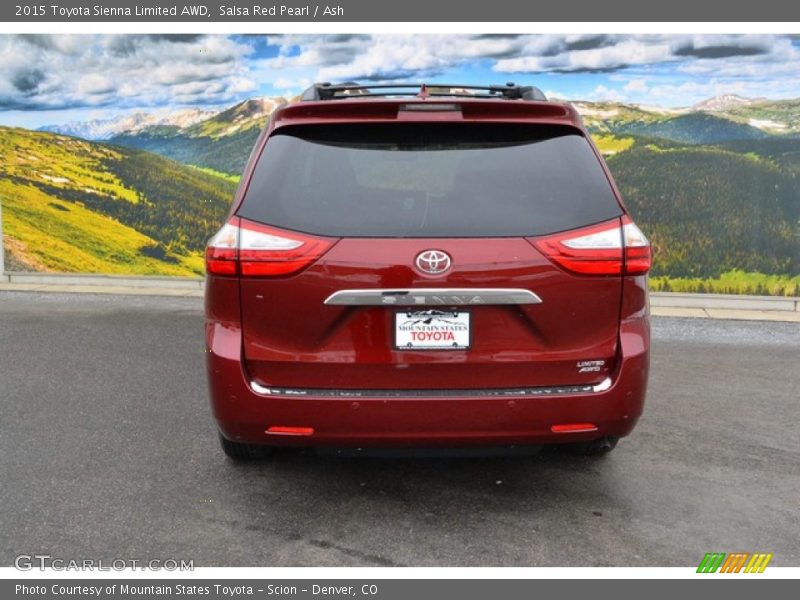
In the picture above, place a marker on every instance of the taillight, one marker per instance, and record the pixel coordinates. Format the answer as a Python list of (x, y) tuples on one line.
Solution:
[(252, 249), (598, 249), (222, 251), (637, 248)]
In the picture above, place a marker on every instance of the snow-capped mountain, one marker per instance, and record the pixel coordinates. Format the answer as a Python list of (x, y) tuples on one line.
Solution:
[(724, 102), (222, 141), (104, 129), (253, 112)]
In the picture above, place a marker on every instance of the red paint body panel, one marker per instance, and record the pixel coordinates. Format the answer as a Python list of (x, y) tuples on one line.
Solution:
[(243, 415), (352, 347)]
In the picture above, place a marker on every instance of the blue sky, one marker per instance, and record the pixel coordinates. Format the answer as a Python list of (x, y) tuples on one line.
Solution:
[(51, 79)]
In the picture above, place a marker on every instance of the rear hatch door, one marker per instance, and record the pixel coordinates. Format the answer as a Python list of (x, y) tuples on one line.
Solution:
[(374, 312)]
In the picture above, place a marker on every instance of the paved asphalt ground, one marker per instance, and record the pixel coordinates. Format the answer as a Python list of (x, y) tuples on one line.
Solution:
[(107, 450)]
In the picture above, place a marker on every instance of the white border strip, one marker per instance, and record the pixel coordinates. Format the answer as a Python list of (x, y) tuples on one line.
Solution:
[(224, 28)]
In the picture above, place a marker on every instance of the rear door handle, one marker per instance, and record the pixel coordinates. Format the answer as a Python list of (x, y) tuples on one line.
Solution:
[(432, 297)]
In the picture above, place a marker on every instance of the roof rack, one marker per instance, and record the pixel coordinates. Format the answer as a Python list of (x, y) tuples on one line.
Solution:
[(352, 89)]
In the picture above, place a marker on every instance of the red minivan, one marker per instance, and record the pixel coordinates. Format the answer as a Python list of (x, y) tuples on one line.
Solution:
[(431, 266)]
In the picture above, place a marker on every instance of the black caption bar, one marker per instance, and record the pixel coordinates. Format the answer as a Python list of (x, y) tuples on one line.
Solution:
[(405, 11)]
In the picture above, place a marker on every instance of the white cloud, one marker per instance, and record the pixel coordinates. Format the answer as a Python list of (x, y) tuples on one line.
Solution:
[(339, 58), (636, 86), (602, 92), (690, 92), (61, 71), (291, 85), (93, 84), (624, 53), (55, 71)]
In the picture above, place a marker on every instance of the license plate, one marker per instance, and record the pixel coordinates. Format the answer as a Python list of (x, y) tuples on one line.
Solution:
[(432, 330)]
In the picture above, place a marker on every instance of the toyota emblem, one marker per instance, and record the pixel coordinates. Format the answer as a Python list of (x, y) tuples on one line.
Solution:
[(433, 262)]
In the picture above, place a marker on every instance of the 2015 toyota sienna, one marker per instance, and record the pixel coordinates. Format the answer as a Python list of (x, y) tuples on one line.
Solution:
[(428, 266)]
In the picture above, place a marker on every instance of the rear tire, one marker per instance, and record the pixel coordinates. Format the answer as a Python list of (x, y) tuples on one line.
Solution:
[(598, 447), (242, 452)]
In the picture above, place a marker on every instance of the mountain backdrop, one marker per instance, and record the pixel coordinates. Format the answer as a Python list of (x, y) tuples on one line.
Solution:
[(715, 186), (71, 205)]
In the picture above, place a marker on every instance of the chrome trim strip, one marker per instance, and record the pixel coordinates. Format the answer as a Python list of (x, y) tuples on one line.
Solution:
[(260, 389), (432, 297), (603, 385), (473, 393)]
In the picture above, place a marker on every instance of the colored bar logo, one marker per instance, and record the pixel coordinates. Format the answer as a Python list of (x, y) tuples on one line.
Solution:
[(736, 562)]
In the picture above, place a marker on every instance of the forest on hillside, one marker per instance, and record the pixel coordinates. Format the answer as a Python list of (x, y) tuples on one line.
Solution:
[(177, 206), (70, 205), (226, 154), (708, 210), (721, 216)]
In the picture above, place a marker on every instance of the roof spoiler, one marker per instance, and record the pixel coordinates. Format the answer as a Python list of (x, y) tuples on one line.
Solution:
[(352, 89)]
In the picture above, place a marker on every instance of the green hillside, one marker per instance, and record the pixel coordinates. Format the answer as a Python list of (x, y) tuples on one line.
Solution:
[(780, 116), (75, 206), (250, 114), (709, 210), (226, 154), (709, 122), (222, 142), (717, 192), (693, 128), (608, 117)]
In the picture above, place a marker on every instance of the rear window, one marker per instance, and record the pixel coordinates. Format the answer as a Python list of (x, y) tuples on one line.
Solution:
[(428, 180)]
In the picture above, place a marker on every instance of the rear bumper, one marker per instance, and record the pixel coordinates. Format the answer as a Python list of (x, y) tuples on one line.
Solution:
[(244, 414)]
